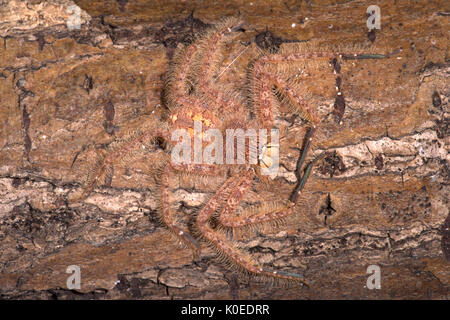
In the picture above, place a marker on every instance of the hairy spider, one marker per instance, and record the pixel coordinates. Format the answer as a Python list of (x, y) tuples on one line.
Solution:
[(192, 94)]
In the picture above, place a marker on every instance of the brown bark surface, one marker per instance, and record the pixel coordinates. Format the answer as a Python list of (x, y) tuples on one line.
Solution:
[(379, 196)]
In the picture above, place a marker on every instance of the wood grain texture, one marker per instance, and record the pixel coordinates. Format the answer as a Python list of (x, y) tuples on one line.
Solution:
[(379, 195)]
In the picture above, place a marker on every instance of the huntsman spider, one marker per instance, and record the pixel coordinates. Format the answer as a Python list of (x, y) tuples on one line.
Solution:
[(192, 94)]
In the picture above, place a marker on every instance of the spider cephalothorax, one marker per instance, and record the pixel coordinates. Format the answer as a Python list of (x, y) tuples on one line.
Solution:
[(193, 96)]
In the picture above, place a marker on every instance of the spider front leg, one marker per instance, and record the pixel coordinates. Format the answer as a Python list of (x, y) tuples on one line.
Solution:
[(265, 75), (196, 64), (232, 191), (266, 103), (254, 215), (120, 152), (213, 45), (167, 215)]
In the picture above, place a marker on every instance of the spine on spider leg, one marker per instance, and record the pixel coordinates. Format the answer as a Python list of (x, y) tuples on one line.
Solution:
[(360, 52), (228, 254), (120, 152), (289, 56)]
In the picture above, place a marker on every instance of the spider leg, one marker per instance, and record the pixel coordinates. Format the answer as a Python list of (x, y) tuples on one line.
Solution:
[(167, 216), (232, 191), (213, 44), (267, 103), (176, 86), (196, 63), (264, 78), (121, 152), (255, 215), (264, 75)]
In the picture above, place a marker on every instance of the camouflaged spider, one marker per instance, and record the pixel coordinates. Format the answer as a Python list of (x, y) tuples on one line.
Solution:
[(192, 94)]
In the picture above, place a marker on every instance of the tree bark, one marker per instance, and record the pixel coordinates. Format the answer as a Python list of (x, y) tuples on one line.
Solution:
[(378, 196)]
